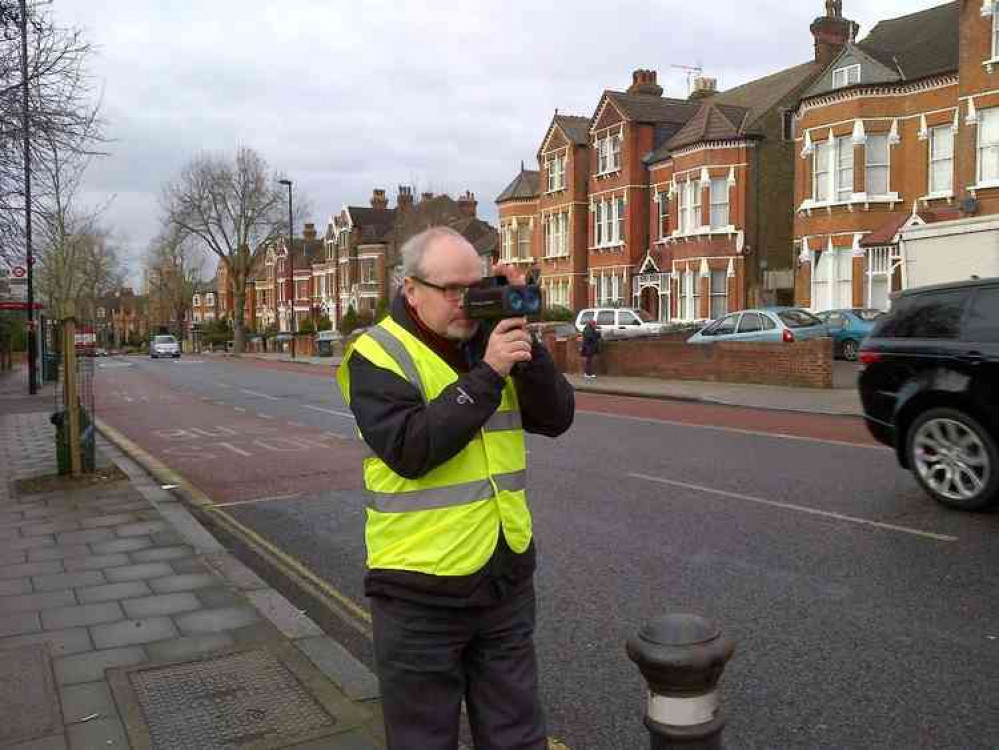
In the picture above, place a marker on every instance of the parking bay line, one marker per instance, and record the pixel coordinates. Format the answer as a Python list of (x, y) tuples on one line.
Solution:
[(798, 508), (261, 395), (257, 500), (330, 411)]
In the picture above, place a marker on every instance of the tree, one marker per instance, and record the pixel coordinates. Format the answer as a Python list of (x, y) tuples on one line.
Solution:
[(349, 322), (63, 111), (324, 324), (230, 206), (306, 327), (173, 271), (381, 310)]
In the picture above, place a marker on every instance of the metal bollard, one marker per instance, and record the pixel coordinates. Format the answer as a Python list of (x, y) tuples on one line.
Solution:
[(682, 658)]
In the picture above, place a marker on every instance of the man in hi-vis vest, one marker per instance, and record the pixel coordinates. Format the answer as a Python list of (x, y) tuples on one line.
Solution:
[(450, 552)]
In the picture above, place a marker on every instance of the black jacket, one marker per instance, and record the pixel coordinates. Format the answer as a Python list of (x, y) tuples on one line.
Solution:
[(591, 341), (413, 438)]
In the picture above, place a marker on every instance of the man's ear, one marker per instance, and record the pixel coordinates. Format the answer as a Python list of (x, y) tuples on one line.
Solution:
[(409, 289)]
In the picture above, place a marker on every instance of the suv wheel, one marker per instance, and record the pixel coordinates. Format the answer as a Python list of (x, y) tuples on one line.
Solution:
[(955, 459), (850, 349)]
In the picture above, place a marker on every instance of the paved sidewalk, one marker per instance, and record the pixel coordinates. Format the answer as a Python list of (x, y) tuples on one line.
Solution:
[(124, 624), (840, 401)]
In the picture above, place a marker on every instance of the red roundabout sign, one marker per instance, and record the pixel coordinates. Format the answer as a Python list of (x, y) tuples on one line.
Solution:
[(18, 272)]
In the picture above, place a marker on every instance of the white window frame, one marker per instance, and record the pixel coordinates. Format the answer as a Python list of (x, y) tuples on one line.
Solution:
[(848, 75), (609, 154), (995, 32), (209, 299), (523, 241), (696, 220), (615, 152), (843, 187), (821, 164), (870, 167), (663, 216), (982, 147), (721, 296), (719, 194), (619, 215), (556, 172), (598, 224), (508, 242), (935, 159)]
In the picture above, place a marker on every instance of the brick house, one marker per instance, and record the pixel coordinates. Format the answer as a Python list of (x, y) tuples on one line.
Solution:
[(121, 318), (899, 139), (518, 212), (205, 305)]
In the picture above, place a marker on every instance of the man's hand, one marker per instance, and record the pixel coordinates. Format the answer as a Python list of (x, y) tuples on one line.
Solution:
[(515, 276), (509, 344)]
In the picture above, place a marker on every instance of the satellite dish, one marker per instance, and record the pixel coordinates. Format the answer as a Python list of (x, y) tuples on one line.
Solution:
[(969, 206)]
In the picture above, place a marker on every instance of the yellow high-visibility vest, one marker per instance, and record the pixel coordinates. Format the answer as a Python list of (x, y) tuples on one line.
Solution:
[(447, 522)]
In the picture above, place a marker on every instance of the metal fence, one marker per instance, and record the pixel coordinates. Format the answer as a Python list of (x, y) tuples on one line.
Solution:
[(68, 356)]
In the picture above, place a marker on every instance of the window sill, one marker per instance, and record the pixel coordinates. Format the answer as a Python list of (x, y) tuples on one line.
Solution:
[(608, 173), (555, 257), (948, 196), (727, 230), (556, 190), (991, 65), (984, 186), (613, 247), (857, 199)]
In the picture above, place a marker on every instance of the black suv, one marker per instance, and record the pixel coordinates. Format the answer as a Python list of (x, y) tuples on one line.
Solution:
[(930, 389)]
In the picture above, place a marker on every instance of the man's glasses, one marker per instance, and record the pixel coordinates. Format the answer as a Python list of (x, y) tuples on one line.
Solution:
[(452, 292)]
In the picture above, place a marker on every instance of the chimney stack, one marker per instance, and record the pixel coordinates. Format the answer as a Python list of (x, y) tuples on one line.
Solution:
[(703, 87), (644, 82), (832, 32), (378, 199), (467, 205), (404, 199), (426, 196), (309, 232)]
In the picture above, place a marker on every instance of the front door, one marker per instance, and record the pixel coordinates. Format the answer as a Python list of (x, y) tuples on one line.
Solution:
[(650, 302)]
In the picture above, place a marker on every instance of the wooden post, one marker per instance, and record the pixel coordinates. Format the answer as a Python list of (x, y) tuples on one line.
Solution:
[(70, 396)]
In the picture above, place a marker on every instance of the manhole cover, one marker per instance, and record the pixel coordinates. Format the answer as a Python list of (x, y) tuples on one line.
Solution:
[(27, 697), (242, 701)]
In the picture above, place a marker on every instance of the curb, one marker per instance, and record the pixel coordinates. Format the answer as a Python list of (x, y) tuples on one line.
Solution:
[(299, 576)]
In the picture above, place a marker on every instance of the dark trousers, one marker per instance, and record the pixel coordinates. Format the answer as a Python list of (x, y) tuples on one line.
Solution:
[(588, 364), (430, 658)]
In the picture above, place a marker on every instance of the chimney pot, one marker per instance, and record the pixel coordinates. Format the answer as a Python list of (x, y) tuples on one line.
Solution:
[(644, 82)]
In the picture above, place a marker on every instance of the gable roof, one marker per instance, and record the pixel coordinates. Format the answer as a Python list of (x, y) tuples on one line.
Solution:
[(524, 185), (374, 223), (576, 129), (651, 109), (920, 44), (763, 94)]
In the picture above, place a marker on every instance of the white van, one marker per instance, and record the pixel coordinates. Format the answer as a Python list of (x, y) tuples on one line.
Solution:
[(619, 321)]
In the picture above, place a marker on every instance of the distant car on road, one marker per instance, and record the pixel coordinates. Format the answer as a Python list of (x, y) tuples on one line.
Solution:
[(765, 324), (164, 346), (848, 328), (620, 322), (929, 389)]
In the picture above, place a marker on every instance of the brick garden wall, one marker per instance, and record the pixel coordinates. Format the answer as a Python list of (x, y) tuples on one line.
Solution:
[(803, 364)]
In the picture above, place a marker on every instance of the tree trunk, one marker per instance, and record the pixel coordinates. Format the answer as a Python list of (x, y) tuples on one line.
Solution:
[(238, 321)]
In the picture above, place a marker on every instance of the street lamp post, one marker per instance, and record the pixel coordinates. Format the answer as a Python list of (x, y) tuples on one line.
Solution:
[(291, 262), (29, 259)]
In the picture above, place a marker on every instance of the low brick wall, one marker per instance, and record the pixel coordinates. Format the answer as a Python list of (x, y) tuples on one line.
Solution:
[(803, 364)]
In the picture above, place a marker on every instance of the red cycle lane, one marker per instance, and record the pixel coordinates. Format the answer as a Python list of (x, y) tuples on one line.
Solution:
[(230, 455)]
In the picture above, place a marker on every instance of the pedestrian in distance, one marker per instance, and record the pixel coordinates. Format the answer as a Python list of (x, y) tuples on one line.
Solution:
[(590, 347), (443, 404)]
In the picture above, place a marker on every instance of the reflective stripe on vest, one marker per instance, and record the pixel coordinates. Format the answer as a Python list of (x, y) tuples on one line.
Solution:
[(446, 497), (395, 349), (503, 420)]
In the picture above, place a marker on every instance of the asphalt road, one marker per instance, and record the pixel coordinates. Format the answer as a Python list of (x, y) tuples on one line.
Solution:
[(865, 615)]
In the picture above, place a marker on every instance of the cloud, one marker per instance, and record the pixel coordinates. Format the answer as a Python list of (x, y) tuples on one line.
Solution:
[(344, 96)]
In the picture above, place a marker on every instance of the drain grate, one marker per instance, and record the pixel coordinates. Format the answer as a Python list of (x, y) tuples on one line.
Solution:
[(241, 701)]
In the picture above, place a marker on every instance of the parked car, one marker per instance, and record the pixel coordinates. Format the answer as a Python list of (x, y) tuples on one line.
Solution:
[(929, 389), (164, 346), (624, 322), (848, 328), (765, 324)]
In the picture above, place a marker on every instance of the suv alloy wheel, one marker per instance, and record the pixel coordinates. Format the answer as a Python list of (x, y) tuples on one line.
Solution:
[(954, 458)]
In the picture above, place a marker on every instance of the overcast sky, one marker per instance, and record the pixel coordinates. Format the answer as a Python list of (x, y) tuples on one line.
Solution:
[(347, 95)]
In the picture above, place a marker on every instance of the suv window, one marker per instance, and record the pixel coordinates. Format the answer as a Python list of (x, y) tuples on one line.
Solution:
[(165, 340), (982, 323), (605, 318), (798, 318), (627, 318), (924, 316), (585, 317)]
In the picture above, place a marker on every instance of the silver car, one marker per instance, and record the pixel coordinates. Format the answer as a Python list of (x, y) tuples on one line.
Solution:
[(164, 346), (766, 324)]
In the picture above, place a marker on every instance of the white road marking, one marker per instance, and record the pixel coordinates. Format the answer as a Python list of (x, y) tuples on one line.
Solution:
[(330, 411), (798, 508), (258, 500), (261, 395), (736, 430), (296, 424), (239, 408), (223, 385), (264, 416), (234, 449)]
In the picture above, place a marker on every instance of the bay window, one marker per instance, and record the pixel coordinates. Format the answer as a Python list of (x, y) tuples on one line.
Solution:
[(719, 202), (988, 146), (877, 165), (942, 160)]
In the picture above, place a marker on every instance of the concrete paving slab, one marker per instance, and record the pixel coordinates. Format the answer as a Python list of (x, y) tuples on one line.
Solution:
[(84, 614), (99, 733), (95, 562), (31, 569), (55, 742), (89, 667), (184, 582), (132, 544), (88, 536), (161, 605), (53, 527), (286, 617), (113, 591), (189, 647), (87, 699), (190, 565), (59, 581), (136, 572), (216, 620), (60, 642), (15, 586), (162, 554), (7, 532), (142, 528), (334, 661), (59, 552), (133, 632), (115, 519), (31, 542), (36, 602), (13, 557), (18, 623), (221, 597)]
